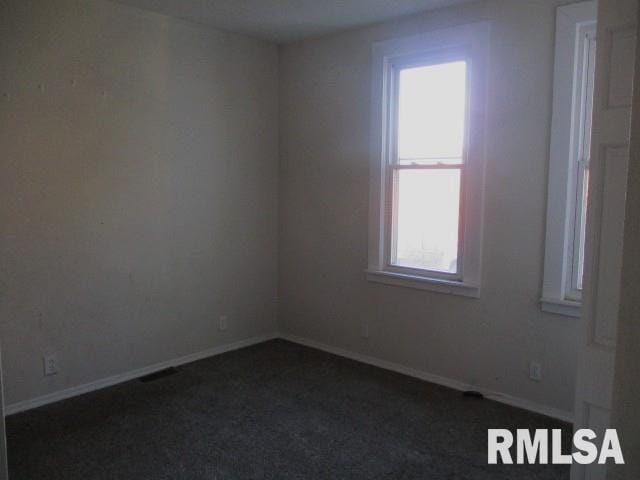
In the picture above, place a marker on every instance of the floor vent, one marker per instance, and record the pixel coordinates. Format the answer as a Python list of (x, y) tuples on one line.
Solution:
[(473, 394), (158, 375)]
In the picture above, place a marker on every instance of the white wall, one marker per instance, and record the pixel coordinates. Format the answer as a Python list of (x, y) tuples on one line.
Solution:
[(138, 199), (324, 145), (138, 190)]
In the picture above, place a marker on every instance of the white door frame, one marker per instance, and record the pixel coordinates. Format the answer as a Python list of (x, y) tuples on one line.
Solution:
[(605, 223)]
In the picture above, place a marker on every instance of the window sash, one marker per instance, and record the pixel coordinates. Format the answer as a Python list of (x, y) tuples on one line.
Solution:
[(394, 165), (393, 222), (575, 250)]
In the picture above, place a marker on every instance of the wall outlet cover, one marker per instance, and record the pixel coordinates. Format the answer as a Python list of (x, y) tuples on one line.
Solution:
[(365, 330), (50, 364), (535, 371)]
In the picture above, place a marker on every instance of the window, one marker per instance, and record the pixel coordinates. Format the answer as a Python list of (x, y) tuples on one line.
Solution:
[(569, 158), (427, 167), (427, 160)]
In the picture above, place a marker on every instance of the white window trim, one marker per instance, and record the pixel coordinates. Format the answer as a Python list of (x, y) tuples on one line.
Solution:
[(575, 25), (473, 39)]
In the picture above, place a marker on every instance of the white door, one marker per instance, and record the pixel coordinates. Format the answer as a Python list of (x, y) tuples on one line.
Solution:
[(605, 222)]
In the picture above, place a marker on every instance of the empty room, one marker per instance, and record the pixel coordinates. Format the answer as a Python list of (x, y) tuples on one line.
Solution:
[(319, 239)]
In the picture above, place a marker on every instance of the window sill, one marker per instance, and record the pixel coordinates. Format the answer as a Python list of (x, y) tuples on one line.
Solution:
[(568, 308), (422, 283)]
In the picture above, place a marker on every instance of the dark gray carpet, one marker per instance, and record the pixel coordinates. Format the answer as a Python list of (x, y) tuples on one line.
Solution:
[(274, 411)]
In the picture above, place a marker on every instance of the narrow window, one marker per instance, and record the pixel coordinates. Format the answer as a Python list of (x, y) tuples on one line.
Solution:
[(578, 204), (569, 157), (429, 167), (427, 160)]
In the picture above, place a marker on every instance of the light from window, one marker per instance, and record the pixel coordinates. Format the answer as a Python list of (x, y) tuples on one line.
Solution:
[(428, 168), (583, 198), (431, 113)]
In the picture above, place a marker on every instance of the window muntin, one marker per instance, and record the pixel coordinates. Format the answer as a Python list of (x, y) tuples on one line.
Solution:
[(427, 143)]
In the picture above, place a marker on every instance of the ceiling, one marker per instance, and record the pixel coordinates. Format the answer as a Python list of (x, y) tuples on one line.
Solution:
[(285, 21)]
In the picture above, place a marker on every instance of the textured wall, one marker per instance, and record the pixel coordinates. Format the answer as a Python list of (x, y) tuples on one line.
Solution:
[(138, 190), (324, 143)]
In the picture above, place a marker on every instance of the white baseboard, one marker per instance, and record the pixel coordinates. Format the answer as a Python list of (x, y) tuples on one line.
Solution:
[(133, 374), (563, 415), (429, 377)]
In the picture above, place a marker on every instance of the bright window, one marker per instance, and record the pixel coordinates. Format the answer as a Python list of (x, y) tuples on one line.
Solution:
[(427, 160), (432, 108)]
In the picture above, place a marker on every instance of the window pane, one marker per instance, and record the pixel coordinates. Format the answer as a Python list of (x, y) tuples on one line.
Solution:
[(427, 211), (431, 113), (583, 171), (582, 223)]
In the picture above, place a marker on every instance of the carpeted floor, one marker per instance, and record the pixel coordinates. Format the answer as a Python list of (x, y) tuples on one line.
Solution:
[(273, 411)]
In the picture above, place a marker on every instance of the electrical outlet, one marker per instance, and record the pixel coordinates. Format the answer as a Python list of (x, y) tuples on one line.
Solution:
[(50, 364), (223, 323), (535, 371), (365, 330)]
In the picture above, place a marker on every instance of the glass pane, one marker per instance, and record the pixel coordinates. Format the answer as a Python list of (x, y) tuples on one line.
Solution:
[(583, 199), (431, 113), (583, 171), (427, 215)]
